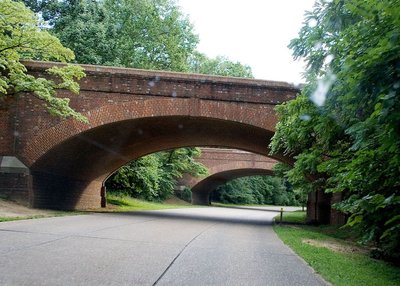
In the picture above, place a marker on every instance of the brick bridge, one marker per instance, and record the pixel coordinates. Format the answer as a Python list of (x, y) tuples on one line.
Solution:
[(132, 113), (225, 165)]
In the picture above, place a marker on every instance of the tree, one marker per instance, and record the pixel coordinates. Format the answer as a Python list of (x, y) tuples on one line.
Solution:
[(148, 34), (140, 34), (351, 138), (200, 63), (21, 38), (84, 27), (256, 190), (152, 34), (295, 183), (153, 177)]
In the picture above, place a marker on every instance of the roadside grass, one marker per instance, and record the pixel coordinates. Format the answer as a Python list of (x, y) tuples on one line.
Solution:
[(124, 203), (2, 219), (215, 204), (332, 253), (295, 217), (53, 214)]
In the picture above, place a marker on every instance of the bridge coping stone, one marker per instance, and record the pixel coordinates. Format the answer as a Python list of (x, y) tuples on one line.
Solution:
[(203, 78)]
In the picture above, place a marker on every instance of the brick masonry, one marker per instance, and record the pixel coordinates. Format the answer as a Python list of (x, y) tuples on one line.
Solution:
[(131, 113), (15, 186)]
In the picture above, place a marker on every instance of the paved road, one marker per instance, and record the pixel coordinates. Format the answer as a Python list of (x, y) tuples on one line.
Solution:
[(196, 246)]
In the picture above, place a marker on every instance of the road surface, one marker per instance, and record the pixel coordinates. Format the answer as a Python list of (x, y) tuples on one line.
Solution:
[(194, 246)]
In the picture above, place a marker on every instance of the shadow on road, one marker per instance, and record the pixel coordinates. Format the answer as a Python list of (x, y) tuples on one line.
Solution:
[(263, 209), (168, 215)]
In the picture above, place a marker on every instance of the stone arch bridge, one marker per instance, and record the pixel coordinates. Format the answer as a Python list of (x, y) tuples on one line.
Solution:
[(225, 165), (133, 113)]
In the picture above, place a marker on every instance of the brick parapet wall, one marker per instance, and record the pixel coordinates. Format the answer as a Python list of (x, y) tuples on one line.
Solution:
[(128, 81)]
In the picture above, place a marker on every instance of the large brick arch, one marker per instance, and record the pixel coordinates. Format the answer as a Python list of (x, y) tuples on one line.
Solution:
[(82, 162), (43, 141)]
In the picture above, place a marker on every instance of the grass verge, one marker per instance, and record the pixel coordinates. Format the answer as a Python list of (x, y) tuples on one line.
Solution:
[(53, 214), (338, 261), (121, 203), (296, 217)]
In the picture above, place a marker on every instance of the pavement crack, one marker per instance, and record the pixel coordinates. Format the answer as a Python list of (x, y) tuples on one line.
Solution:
[(117, 226), (180, 252), (124, 240), (34, 245)]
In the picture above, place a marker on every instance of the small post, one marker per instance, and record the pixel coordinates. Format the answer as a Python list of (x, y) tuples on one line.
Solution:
[(280, 222), (103, 196)]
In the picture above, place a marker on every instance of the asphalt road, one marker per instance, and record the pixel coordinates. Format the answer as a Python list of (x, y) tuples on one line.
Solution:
[(196, 246)]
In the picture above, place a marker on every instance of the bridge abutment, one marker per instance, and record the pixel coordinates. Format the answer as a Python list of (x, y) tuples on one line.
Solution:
[(201, 198), (50, 191), (320, 211)]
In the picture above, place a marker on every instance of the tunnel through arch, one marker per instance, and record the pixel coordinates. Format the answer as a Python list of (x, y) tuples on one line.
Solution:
[(71, 174), (202, 190)]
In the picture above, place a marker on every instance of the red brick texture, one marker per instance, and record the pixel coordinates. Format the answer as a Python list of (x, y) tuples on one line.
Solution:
[(132, 113)]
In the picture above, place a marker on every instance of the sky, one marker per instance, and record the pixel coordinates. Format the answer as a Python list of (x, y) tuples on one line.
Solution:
[(253, 32)]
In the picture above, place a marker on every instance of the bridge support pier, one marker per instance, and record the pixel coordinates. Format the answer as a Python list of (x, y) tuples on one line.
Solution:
[(58, 192), (200, 198), (318, 207), (320, 211), (15, 181)]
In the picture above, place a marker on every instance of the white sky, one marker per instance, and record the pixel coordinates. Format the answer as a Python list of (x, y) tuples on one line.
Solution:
[(253, 32)]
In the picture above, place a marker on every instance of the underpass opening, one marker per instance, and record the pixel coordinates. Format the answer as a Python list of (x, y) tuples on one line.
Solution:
[(259, 189), (202, 191), (71, 174)]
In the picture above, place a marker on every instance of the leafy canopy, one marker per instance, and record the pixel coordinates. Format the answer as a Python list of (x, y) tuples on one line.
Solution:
[(149, 34), (349, 141), (200, 63), (153, 177), (21, 38), (257, 190)]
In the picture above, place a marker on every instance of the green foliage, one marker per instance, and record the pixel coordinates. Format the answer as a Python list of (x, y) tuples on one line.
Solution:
[(124, 203), (256, 190), (148, 34), (185, 194), (351, 141), (21, 38), (153, 177), (157, 37), (200, 63), (84, 27), (295, 181), (295, 217)]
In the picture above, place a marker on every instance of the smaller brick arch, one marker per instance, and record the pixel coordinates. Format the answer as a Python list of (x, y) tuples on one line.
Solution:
[(202, 190), (225, 165)]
